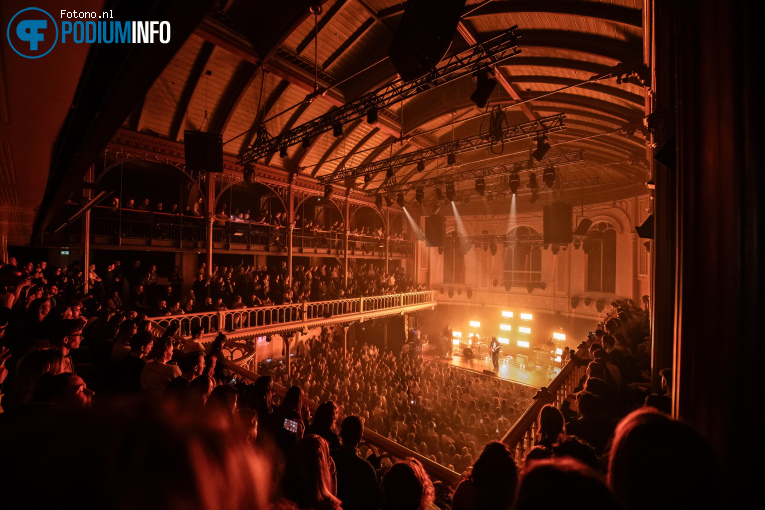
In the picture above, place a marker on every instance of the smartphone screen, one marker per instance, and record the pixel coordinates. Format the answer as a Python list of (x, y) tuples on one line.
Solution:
[(290, 425)]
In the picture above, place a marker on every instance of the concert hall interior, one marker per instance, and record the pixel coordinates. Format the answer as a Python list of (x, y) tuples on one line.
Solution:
[(379, 254)]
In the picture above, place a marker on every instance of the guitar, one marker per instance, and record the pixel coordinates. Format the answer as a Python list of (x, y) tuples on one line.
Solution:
[(496, 349)]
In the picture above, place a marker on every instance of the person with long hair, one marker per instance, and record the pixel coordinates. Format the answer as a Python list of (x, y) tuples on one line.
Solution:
[(287, 424), (492, 482), (324, 424), (407, 486), (309, 479)]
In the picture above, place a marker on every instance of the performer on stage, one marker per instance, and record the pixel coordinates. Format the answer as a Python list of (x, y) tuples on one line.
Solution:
[(494, 347), (448, 335)]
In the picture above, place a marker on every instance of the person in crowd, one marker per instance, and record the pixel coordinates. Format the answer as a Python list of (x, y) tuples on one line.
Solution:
[(287, 425), (551, 425), (491, 484), (64, 390), (32, 367), (309, 480), (128, 371), (324, 424), (357, 485), (159, 372), (223, 401), (406, 486), (192, 365)]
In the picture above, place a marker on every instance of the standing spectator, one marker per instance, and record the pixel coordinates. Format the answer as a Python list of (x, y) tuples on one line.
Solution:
[(158, 372), (308, 475), (357, 485), (406, 486)]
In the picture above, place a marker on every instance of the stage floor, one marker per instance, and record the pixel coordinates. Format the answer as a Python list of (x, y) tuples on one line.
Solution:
[(509, 369)]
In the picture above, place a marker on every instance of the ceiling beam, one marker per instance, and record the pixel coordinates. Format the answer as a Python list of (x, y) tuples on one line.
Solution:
[(346, 45), (236, 89), (187, 94)]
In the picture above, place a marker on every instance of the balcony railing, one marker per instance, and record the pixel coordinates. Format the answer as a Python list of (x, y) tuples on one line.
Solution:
[(295, 315), (520, 437)]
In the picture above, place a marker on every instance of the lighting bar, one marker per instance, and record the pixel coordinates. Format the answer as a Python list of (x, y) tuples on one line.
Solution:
[(522, 343), (558, 351), (559, 336), (481, 54), (507, 314), (455, 342), (457, 334), (503, 340), (480, 141), (475, 324), (558, 359), (525, 330), (505, 327), (526, 316), (568, 158), (578, 184)]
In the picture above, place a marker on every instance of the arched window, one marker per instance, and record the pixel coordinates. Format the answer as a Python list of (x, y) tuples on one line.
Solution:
[(454, 260), (523, 258), (600, 248)]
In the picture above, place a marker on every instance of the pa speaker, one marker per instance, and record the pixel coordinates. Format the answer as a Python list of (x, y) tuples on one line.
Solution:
[(424, 35), (435, 230), (558, 224), (204, 151)]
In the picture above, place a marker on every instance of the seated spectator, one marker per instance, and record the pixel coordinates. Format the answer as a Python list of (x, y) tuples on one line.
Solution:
[(223, 401), (65, 391), (575, 448), (491, 485), (357, 485), (563, 483), (308, 479), (324, 424), (66, 337), (406, 486), (121, 347), (593, 425), (660, 463), (158, 372), (128, 372), (32, 367)]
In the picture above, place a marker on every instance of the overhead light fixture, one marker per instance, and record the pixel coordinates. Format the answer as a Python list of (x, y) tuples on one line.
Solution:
[(389, 200), (419, 195), (337, 130), (328, 190), (480, 186), (372, 116), (400, 199), (420, 166), (451, 159), (439, 194), (542, 147), (484, 87), (283, 151), (249, 173), (514, 183), (367, 177), (306, 142), (450, 192), (389, 173), (378, 201), (533, 184), (548, 177)]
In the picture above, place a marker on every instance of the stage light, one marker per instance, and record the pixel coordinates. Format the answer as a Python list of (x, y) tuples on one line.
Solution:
[(521, 343), (455, 342), (400, 199), (559, 336), (451, 159), (389, 200), (337, 130), (548, 177), (458, 334), (450, 192), (389, 173), (525, 330), (475, 324), (439, 194), (505, 327), (419, 195), (367, 177), (507, 314), (372, 116), (484, 87), (378, 201), (420, 166), (480, 187), (514, 183), (249, 173), (558, 351), (542, 147), (533, 184), (306, 142), (503, 340), (283, 151), (526, 316), (328, 190)]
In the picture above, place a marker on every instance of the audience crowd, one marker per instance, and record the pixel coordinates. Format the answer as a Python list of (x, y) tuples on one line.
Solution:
[(103, 410)]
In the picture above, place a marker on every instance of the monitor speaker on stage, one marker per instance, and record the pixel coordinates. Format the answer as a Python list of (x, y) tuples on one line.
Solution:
[(424, 35), (489, 372), (204, 151), (558, 224), (435, 230)]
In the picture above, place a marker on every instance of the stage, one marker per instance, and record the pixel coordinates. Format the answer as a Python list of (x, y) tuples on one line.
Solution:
[(509, 369)]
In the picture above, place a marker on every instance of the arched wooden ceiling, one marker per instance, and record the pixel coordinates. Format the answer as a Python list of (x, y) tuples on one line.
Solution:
[(232, 76)]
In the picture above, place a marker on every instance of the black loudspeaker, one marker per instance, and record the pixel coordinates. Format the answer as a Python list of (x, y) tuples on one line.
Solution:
[(435, 230), (489, 372), (204, 152), (558, 224), (424, 35)]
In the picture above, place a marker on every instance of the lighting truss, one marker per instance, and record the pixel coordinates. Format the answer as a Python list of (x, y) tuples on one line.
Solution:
[(568, 158), (482, 140), (461, 194), (490, 52)]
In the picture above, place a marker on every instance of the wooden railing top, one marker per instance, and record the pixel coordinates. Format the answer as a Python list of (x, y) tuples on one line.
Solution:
[(435, 469)]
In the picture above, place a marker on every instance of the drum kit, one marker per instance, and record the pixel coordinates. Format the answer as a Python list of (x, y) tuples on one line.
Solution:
[(476, 347)]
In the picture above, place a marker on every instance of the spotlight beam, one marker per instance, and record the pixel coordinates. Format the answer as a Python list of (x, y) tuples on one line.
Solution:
[(418, 233)]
